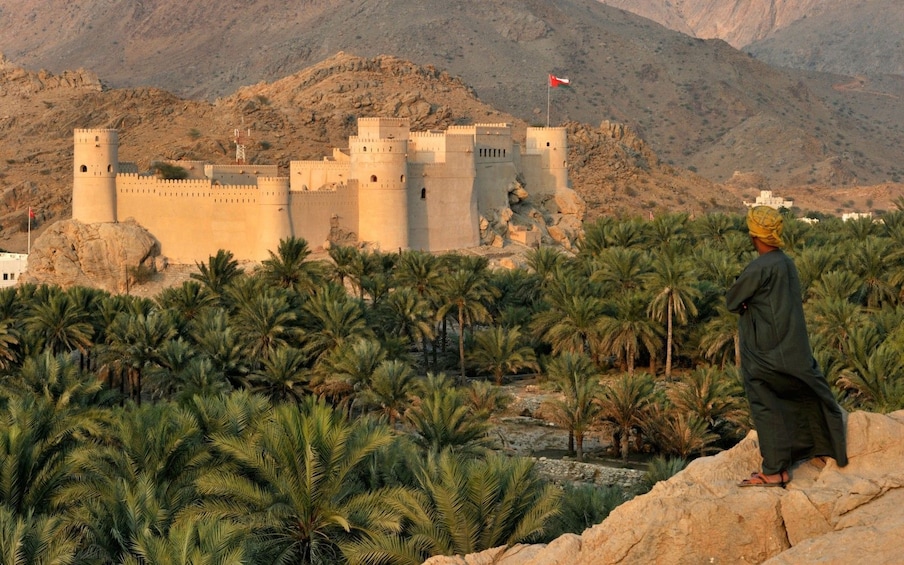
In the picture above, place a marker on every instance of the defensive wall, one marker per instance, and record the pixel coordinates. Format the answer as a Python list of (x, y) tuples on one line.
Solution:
[(392, 188)]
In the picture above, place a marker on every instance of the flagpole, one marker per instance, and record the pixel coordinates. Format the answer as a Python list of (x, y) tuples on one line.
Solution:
[(548, 88), (29, 231)]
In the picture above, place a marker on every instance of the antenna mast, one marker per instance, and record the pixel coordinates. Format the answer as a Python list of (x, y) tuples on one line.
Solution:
[(241, 140)]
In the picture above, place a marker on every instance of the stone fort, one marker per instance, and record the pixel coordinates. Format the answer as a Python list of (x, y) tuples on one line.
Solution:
[(392, 188)]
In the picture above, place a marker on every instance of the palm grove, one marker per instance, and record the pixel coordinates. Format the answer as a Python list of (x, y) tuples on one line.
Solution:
[(339, 411)]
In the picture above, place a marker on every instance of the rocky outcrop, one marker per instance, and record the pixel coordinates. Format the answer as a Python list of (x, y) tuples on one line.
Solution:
[(108, 256), (826, 515)]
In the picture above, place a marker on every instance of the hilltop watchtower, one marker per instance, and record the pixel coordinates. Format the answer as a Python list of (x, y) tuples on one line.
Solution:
[(95, 162)]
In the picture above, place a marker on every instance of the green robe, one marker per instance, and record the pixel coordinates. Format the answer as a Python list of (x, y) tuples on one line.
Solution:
[(794, 412)]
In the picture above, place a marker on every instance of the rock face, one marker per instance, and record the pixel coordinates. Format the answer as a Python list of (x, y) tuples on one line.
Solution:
[(826, 515), (107, 256)]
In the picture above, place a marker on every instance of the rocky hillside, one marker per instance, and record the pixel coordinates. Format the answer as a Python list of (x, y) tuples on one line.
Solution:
[(697, 104), (826, 515), (835, 36), (306, 114)]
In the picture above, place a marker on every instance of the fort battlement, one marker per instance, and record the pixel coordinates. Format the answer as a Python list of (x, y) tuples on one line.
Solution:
[(392, 187)]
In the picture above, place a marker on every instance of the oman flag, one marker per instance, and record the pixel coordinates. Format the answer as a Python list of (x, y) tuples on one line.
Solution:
[(555, 82)]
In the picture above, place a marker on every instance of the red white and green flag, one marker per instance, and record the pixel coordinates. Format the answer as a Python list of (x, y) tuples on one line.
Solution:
[(555, 82)]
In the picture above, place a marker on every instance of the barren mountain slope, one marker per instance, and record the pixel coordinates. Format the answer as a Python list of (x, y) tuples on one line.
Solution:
[(737, 22), (301, 116), (695, 102), (852, 37)]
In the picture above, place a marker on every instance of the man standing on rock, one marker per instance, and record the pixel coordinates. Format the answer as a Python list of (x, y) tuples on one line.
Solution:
[(794, 412)]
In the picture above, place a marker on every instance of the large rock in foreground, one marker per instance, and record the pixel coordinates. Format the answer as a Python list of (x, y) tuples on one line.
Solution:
[(826, 515), (107, 256)]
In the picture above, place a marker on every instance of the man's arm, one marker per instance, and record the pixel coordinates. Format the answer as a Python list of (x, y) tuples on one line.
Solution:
[(740, 292)]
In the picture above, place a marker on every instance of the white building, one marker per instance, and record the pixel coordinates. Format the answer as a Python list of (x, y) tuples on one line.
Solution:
[(767, 199), (12, 265)]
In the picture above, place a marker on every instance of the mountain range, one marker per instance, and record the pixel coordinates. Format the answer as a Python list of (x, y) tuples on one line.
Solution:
[(850, 37), (161, 69)]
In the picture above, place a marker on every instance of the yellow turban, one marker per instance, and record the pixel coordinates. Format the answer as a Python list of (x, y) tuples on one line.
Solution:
[(765, 224)]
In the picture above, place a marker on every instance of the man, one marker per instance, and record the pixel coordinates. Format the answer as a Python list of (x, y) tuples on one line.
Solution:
[(794, 412)]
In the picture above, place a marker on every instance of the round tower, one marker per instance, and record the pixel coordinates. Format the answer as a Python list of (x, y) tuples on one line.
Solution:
[(551, 143), (380, 167), (95, 164), (274, 220)]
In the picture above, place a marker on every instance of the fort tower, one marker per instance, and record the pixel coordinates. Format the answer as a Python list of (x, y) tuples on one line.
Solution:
[(274, 221), (95, 163), (551, 146), (379, 162)]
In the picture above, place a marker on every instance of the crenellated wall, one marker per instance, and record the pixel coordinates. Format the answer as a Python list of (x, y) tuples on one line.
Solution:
[(391, 187)]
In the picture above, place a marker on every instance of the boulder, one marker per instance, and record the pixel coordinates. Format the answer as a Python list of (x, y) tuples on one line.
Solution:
[(103, 255), (826, 515)]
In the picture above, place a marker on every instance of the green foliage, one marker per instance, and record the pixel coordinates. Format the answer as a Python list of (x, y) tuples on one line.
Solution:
[(169, 171), (137, 430), (661, 468), (583, 506)]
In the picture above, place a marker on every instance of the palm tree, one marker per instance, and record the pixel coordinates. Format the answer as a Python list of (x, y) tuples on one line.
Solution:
[(135, 342), (36, 439), (499, 352), (869, 261), (409, 316), (221, 269), (627, 329), (720, 337), (876, 382), (283, 375), (668, 230), (187, 301), (8, 341), (32, 539), (671, 283), (462, 506), (679, 434), (289, 267), (573, 324), (626, 405), (390, 389), (343, 262), (443, 419), (713, 228), (716, 266), (621, 270), (59, 325), (217, 340), (191, 542), (575, 375), (165, 377), (486, 399), (717, 399), (330, 319), (347, 369), (834, 319), (289, 482), (140, 480), (464, 291), (545, 262), (596, 237), (265, 322), (812, 263), (836, 285), (57, 380), (421, 272)]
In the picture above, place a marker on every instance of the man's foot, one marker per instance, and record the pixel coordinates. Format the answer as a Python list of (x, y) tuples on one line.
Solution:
[(761, 480)]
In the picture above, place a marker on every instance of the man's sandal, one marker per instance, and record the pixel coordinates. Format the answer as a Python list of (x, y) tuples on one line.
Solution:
[(761, 480)]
